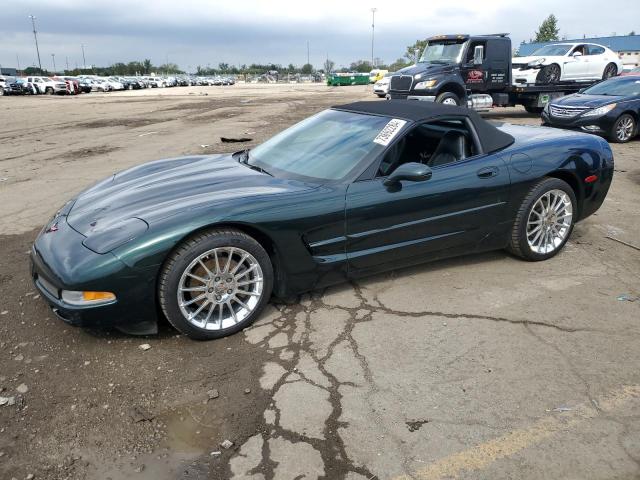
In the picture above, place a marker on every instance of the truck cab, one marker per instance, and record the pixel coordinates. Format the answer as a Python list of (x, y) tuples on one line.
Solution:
[(452, 67)]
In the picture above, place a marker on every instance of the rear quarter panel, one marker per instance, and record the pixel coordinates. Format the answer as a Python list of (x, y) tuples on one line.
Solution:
[(570, 156)]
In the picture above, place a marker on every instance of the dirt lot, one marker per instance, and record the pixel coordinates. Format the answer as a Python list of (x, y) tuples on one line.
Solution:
[(479, 367)]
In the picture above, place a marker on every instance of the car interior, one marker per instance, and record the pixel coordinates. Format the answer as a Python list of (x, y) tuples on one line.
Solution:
[(433, 144)]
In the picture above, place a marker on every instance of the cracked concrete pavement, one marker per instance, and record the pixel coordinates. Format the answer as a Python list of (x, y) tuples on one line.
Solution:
[(479, 367)]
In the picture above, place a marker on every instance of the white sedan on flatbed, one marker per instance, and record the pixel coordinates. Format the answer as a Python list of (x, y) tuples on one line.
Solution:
[(566, 62)]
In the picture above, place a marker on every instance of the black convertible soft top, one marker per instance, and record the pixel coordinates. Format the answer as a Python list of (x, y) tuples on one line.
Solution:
[(491, 138)]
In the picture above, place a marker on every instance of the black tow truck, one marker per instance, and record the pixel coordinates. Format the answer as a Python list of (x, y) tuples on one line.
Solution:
[(474, 71)]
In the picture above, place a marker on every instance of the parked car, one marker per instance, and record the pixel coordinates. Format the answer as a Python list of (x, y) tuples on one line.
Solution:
[(48, 85), (72, 85), (566, 61), (633, 71), (14, 86), (100, 85), (381, 87), (610, 108), (354, 190), (85, 85)]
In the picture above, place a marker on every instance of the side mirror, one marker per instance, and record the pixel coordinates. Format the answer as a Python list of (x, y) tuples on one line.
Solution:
[(412, 172), (577, 55), (478, 54)]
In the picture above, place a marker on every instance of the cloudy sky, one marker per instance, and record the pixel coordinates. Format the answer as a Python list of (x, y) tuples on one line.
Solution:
[(201, 32)]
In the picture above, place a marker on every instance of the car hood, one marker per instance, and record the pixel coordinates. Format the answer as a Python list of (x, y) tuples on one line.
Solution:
[(156, 190), (591, 101), (427, 69), (547, 59)]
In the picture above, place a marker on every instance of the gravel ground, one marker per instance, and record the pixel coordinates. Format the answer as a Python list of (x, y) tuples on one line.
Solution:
[(477, 367)]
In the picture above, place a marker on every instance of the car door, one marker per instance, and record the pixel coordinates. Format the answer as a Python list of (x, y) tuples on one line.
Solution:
[(461, 205), (597, 60), (576, 67)]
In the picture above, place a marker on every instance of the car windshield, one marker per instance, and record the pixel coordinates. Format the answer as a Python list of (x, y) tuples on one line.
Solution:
[(552, 51), (617, 87), (443, 51), (327, 146)]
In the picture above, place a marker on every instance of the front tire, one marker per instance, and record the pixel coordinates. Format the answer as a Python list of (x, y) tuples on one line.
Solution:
[(624, 129), (549, 75), (448, 98), (215, 284), (544, 221), (49, 91)]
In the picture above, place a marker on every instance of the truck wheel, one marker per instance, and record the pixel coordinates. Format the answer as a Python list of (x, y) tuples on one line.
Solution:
[(1, 91), (448, 98), (532, 109), (624, 129), (49, 91), (610, 70), (549, 74)]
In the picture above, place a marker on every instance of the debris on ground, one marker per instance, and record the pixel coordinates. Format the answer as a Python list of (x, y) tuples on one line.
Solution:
[(205, 145), (144, 346), (227, 444), (139, 469), (215, 453), (562, 409), (213, 393), (139, 414), (8, 401), (627, 298), (235, 140), (415, 424), (630, 245), (22, 388), (247, 390)]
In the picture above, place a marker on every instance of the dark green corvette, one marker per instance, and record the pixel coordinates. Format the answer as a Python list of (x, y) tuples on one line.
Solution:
[(354, 190)]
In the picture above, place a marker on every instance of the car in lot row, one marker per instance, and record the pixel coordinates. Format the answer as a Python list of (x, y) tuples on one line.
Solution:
[(610, 108), (358, 189), (381, 87)]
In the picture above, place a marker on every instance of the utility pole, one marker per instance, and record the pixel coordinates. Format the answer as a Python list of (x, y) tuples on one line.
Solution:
[(67, 60), (308, 53), (35, 35), (373, 33), (84, 62), (53, 58), (18, 61)]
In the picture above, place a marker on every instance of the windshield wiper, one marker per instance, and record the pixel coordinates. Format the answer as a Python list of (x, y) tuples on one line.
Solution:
[(244, 159)]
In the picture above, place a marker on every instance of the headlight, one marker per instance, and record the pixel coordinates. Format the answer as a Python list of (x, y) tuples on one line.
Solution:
[(535, 63), (87, 298), (596, 112), (425, 84), (116, 235)]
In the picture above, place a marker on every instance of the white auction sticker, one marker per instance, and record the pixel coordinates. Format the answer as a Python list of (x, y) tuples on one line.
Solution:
[(389, 131)]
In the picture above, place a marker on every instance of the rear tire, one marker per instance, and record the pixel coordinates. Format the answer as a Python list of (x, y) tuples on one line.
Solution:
[(217, 266), (49, 91), (611, 70), (448, 98), (544, 220), (624, 129)]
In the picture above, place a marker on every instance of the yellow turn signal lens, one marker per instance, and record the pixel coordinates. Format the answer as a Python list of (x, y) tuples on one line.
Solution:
[(93, 296)]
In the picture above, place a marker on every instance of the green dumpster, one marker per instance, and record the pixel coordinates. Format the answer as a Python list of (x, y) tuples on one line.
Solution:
[(338, 79)]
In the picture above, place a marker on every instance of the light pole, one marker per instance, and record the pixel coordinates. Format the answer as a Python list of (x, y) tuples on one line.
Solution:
[(53, 58), (35, 35), (373, 33), (84, 62), (308, 52)]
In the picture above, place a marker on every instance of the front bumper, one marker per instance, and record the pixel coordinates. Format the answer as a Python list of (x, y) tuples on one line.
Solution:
[(524, 77), (599, 125), (59, 262)]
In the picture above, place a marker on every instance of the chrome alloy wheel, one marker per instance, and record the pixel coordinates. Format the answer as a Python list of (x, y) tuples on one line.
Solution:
[(624, 129), (220, 288), (549, 221), (450, 101)]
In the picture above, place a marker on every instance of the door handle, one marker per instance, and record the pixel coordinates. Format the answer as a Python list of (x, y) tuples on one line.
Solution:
[(487, 172)]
